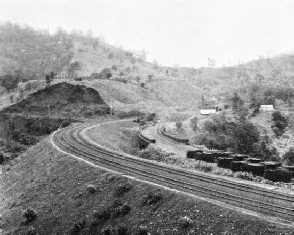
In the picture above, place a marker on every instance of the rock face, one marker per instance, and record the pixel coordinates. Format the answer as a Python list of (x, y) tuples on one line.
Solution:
[(62, 100)]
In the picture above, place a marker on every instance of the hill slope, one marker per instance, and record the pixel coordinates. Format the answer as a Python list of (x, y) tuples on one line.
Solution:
[(58, 189), (61, 100)]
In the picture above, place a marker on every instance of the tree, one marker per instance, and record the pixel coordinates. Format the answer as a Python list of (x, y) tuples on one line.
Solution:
[(289, 157), (223, 133), (194, 123), (237, 102), (280, 123), (10, 82), (179, 125), (264, 151), (49, 77), (211, 63), (73, 67)]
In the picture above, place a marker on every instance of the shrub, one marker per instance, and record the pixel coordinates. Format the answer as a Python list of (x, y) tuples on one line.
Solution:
[(122, 189), (91, 188), (114, 67), (110, 55), (244, 175), (150, 117), (280, 123), (14, 147), (106, 231), (142, 230), (10, 82), (103, 214), (30, 215), (152, 198), (185, 222), (130, 113), (78, 226), (2, 158), (289, 157), (122, 230), (121, 210)]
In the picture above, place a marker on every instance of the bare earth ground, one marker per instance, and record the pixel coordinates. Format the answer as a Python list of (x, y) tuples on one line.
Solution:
[(54, 185)]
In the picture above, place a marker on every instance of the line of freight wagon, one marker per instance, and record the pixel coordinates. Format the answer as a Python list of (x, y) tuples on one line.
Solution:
[(270, 170)]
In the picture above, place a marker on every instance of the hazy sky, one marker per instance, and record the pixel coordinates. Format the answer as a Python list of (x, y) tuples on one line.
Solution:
[(184, 32)]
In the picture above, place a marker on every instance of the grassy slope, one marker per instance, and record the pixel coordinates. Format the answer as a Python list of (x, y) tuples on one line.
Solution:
[(119, 136), (164, 94), (54, 185)]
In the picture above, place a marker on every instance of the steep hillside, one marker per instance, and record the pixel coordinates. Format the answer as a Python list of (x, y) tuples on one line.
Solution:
[(61, 100)]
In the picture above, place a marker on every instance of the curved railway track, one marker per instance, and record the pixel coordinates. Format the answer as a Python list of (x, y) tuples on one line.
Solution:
[(259, 199)]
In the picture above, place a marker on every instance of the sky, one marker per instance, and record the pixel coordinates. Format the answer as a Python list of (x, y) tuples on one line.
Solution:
[(173, 32)]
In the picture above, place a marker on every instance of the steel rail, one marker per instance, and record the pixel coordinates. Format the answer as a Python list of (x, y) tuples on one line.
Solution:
[(71, 140)]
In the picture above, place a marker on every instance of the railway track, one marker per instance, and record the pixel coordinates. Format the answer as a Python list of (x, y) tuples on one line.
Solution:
[(259, 199)]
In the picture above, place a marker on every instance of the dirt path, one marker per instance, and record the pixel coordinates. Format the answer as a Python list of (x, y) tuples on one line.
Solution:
[(164, 143)]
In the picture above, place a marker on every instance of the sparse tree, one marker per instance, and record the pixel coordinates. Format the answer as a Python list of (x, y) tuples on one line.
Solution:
[(289, 157), (194, 123), (237, 102)]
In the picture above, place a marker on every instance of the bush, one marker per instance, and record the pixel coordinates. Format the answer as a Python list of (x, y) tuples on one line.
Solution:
[(14, 147), (152, 198), (121, 210), (142, 230), (122, 189), (2, 158), (78, 226), (244, 175), (106, 231), (114, 67), (103, 214), (110, 55), (194, 123), (130, 113), (9, 81), (91, 189), (30, 215), (288, 157), (122, 230), (280, 123), (185, 222)]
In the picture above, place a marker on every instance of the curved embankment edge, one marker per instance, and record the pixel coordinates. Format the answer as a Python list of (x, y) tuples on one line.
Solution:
[(187, 193), (180, 140), (144, 140)]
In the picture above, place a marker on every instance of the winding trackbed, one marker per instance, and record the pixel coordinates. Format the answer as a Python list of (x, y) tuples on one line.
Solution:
[(259, 199)]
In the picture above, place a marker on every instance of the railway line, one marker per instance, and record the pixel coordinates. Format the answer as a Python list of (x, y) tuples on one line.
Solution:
[(271, 201)]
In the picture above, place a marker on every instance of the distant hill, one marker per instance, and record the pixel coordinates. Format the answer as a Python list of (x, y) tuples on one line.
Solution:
[(31, 53), (133, 82)]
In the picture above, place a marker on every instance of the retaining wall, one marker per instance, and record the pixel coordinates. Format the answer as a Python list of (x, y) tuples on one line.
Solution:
[(180, 140)]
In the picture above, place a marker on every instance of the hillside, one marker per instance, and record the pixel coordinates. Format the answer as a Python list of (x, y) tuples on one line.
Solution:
[(61, 100), (31, 54), (71, 197)]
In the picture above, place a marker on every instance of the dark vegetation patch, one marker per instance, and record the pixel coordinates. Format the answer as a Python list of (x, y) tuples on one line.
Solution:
[(280, 123), (18, 132), (61, 100), (53, 184), (121, 189)]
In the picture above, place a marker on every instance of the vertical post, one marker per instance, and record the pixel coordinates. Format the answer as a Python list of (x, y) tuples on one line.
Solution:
[(111, 107)]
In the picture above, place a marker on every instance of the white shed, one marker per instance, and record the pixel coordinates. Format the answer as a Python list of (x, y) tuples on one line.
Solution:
[(207, 111), (266, 108)]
